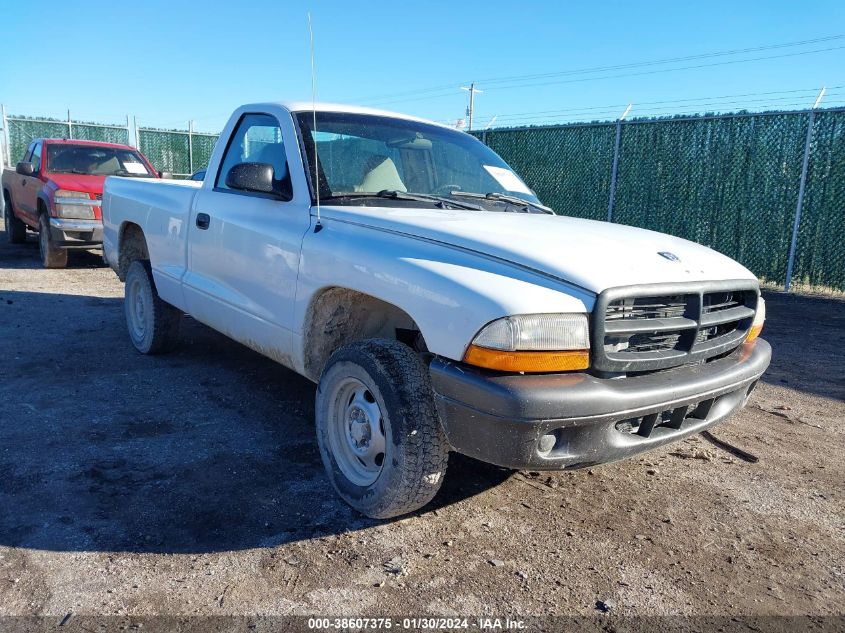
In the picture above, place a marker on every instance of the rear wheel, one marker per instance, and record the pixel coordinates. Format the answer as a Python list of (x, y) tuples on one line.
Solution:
[(51, 255), (15, 228), (153, 323), (378, 429)]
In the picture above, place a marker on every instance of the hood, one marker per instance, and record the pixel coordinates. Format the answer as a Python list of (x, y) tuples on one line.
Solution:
[(591, 254), (78, 182)]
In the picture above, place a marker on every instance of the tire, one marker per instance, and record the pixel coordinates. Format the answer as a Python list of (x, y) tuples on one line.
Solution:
[(153, 324), (384, 379), (15, 228), (51, 255)]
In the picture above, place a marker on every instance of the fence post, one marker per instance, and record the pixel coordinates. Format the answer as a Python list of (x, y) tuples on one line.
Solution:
[(790, 264), (613, 171), (191, 147), (69, 126), (6, 158), (137, 133), (615, 167), (128, 134)]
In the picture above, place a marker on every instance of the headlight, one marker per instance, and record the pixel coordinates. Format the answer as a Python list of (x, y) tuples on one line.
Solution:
[(532, 343), (759, 320), (74, 204)]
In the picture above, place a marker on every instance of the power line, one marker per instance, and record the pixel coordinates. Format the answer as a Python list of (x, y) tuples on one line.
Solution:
[(667, 70), (686, 58), (610, 115), (671, 101), (681, 103), (450, 87), (647, 72)]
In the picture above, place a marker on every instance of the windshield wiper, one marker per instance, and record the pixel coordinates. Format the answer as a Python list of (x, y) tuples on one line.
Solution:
[(393, 194), (503, 197)]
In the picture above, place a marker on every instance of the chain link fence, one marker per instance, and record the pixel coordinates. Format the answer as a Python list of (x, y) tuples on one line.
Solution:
[(746, 185), (180, 152), (21, 130), (731, 182)]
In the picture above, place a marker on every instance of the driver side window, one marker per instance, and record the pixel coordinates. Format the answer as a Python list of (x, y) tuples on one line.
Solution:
[(257, 139), (36, 157)]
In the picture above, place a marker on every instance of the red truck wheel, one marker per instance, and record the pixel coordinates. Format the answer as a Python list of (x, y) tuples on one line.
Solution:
[(51, 255), (15, 228)]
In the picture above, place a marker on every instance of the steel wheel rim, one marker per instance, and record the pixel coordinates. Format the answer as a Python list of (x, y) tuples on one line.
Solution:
[(136, 310), (357, 432)]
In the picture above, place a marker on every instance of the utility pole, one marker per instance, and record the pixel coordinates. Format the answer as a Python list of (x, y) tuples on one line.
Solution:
[(470, 109)]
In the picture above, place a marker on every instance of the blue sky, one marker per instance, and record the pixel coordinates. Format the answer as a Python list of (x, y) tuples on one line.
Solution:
[(167, 62)]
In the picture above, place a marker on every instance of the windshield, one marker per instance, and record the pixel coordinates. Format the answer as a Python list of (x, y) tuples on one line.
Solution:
[(363, 154), (94, 160)]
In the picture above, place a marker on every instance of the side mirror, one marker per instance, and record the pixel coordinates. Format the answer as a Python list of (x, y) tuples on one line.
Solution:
[(25, 169), (166, 175), (251, 177)]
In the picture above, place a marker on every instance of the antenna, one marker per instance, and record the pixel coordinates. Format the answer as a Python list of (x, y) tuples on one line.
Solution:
[(318, 226)]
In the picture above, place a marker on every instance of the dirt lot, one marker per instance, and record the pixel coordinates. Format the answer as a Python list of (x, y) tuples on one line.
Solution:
[(191, 484)]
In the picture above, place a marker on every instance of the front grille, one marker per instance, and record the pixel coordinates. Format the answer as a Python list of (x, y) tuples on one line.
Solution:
[(659, 326)]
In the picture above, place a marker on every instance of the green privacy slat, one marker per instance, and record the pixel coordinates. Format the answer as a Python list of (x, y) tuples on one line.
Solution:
[(21, 134), (820, 255), (728, 182)]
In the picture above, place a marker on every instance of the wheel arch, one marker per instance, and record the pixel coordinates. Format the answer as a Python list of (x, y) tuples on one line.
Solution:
[(132, 246), (337, 316), (43, 204)]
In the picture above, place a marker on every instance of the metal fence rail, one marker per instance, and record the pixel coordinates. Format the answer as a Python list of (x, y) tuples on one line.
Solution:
[(180, 152), (767, 189)]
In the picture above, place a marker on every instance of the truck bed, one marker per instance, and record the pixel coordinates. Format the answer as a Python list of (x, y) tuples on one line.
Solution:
[(162, 209)]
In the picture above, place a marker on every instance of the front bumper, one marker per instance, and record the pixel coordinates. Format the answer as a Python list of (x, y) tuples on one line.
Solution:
[(550, 422), (69, 233)]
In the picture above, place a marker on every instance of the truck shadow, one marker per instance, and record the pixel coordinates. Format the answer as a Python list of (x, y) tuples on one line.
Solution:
[(210, 448), (26, 256)]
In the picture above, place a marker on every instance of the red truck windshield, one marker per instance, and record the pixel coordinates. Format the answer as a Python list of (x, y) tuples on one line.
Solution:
[(96, 161)]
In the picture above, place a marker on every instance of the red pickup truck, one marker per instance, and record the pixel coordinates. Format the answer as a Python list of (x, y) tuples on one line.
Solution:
[(57, 190)]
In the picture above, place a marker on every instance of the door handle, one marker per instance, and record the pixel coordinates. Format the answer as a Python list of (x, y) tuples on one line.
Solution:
[(203, 220)]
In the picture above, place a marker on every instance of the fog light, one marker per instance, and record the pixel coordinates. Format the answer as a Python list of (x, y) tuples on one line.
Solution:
[(546, 443)]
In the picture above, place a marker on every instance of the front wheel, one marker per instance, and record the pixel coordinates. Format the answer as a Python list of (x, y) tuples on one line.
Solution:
[(378, 430), (51, 255), (153, 324)]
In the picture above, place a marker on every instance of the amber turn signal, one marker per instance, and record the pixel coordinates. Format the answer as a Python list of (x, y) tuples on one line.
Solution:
[(754, 333), (529, 362)]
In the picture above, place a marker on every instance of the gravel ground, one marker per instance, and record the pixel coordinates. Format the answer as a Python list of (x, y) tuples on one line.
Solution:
[(191, 484)]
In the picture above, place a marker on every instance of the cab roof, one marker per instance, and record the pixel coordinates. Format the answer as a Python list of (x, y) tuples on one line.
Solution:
[(73, 141), (307, 106)]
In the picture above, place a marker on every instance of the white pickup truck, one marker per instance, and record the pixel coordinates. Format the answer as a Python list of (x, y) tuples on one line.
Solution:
[(407, 270)]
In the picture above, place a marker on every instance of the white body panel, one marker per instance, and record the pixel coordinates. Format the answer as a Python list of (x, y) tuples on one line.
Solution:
[(254, 273)]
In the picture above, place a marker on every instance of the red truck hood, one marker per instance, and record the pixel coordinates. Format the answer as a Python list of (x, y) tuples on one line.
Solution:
[(78, 182)]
